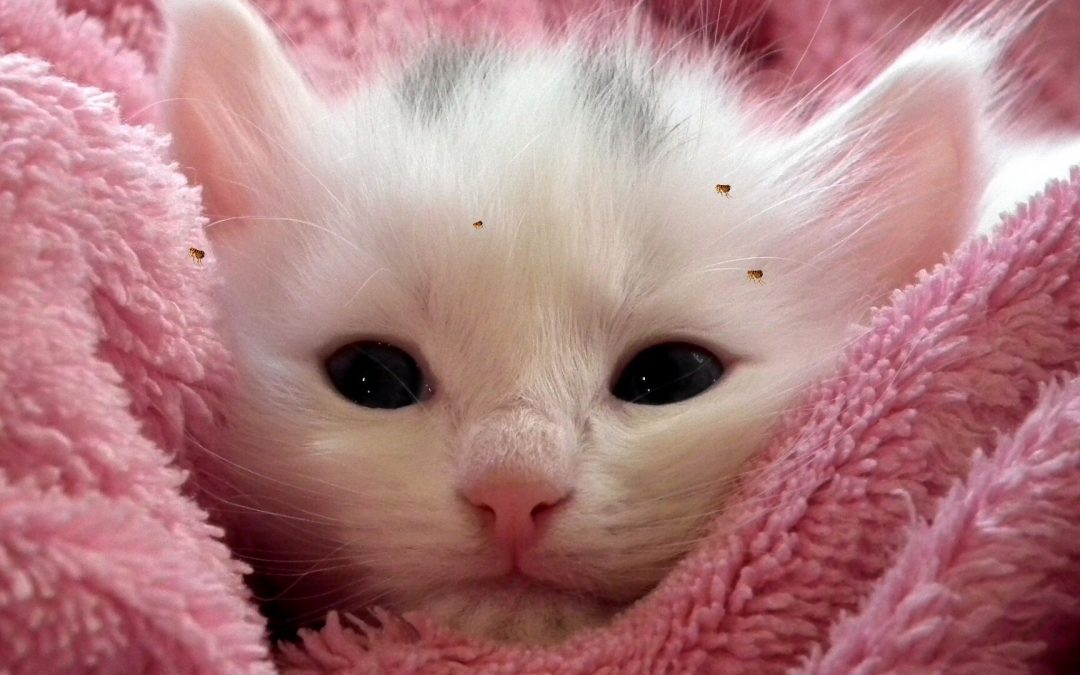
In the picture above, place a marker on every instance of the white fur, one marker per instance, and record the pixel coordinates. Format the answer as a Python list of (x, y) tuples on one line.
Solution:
[(351, 221), (1022, 169)]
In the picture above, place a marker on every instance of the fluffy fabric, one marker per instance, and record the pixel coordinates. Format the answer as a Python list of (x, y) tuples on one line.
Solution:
[(106, 355), (888, 527)]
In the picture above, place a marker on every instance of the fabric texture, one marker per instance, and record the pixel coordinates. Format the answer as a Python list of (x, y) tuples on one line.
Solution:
[(920, 512)]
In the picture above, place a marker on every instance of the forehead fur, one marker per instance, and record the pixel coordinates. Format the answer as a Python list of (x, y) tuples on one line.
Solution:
[(615, 89), (547, 148), (593, 177), (428, 88)]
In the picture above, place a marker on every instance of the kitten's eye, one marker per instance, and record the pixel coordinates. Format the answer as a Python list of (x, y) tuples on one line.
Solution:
[(667, 373), (376, 375)]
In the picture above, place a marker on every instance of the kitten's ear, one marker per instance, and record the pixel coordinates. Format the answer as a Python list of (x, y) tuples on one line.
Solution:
[(903, 169), (236, 104)]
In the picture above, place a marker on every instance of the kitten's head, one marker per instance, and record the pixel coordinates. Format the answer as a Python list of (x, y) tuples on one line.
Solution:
[(500, 354)]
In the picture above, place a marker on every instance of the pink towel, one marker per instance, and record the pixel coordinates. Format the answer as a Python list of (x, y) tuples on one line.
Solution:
[(886, 528), (106, 353)]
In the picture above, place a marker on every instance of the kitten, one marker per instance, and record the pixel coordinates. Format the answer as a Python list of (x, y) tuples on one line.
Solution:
[(499, 357)]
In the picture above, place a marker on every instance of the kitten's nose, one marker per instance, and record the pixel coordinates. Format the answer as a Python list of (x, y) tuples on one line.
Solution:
[(520, 507)]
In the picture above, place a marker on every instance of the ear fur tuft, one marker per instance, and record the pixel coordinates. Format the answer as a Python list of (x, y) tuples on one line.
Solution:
[(234, 100), (906, 157)]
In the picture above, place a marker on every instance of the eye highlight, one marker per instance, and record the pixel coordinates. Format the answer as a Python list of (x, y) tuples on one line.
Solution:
[(667, 373), (376, 375)]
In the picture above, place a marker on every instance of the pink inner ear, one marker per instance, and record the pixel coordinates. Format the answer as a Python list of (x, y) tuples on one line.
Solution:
[(917, 132), (235, 100), (926, 198), (206, 164)]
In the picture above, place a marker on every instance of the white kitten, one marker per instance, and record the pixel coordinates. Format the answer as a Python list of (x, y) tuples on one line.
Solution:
[(467, 420)]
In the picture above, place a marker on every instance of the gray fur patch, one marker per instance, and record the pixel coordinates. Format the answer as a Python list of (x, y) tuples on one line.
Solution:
[(624, 101), (431, 84)]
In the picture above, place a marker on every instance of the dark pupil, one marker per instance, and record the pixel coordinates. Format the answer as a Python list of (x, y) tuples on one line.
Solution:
[(375, 375), (667, 373)]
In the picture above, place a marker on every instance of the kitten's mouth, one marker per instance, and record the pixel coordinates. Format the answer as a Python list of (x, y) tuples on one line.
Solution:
[(518, 581), (516, 608), (511, 584)]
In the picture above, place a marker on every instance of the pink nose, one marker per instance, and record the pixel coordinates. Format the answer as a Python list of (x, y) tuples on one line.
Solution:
[(520, 508)]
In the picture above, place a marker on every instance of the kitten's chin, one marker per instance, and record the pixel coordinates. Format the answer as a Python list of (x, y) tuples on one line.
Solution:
[(515, 611)]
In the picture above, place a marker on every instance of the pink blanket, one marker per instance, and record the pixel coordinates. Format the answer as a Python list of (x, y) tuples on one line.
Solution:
[(887, 528)]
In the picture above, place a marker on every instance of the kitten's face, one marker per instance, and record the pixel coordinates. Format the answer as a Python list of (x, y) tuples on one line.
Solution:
[(520, 330), (602, 236)]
